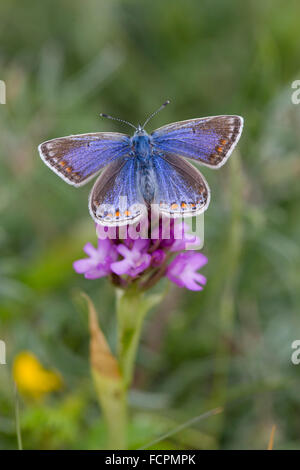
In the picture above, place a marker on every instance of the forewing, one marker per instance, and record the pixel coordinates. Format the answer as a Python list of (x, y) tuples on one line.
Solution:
[(77, 158), (115, 198), (181, 188), (209, 140)]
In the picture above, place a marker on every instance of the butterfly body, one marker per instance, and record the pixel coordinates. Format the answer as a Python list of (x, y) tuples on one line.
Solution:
[(142, 151), (145, 169)]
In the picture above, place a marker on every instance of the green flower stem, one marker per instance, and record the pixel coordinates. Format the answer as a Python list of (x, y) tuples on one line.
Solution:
[(132, 307), (108, 382), (113, 377)]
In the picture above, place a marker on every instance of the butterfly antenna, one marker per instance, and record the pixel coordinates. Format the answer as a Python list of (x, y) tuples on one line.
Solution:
[(117, 119), (155, 112)]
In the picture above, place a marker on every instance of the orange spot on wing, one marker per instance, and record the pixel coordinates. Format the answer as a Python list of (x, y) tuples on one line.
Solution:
[(62, 163), (127, 213), (174, 206), (219, 149), (68, 169), (223, 141), (118, 213), (183, 205)]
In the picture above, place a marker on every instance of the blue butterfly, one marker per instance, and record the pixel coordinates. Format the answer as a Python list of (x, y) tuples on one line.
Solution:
[(145, 169)]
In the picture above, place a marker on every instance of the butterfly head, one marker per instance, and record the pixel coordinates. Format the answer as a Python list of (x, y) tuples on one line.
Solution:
[(140, 131)]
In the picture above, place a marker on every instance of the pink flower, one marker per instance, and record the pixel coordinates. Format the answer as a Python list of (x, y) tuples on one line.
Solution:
[(122, 253), (99, 262), (158, 257), (135, 259), (183, 270)]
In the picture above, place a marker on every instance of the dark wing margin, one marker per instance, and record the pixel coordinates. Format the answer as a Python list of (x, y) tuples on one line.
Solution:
[(77, 158), (209, 140)]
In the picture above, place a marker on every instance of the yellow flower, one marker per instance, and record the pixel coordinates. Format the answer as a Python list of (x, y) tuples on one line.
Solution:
[(31, 378)]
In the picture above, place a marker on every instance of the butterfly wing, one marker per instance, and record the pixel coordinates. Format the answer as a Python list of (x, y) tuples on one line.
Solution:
[(77, 158), (181, 189), (209, 140), (115, 199)]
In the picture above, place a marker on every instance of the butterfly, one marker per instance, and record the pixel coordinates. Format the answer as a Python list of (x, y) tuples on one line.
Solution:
[(145, 169)]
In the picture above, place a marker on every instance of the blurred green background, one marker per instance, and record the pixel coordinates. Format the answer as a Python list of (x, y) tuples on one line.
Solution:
[(63, 63)]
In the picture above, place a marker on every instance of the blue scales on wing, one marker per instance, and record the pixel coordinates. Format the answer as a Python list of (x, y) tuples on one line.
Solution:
[(77, 158), (209, 140)]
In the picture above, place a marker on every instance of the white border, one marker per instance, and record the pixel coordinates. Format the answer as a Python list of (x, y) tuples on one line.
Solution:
[(106, 223)]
